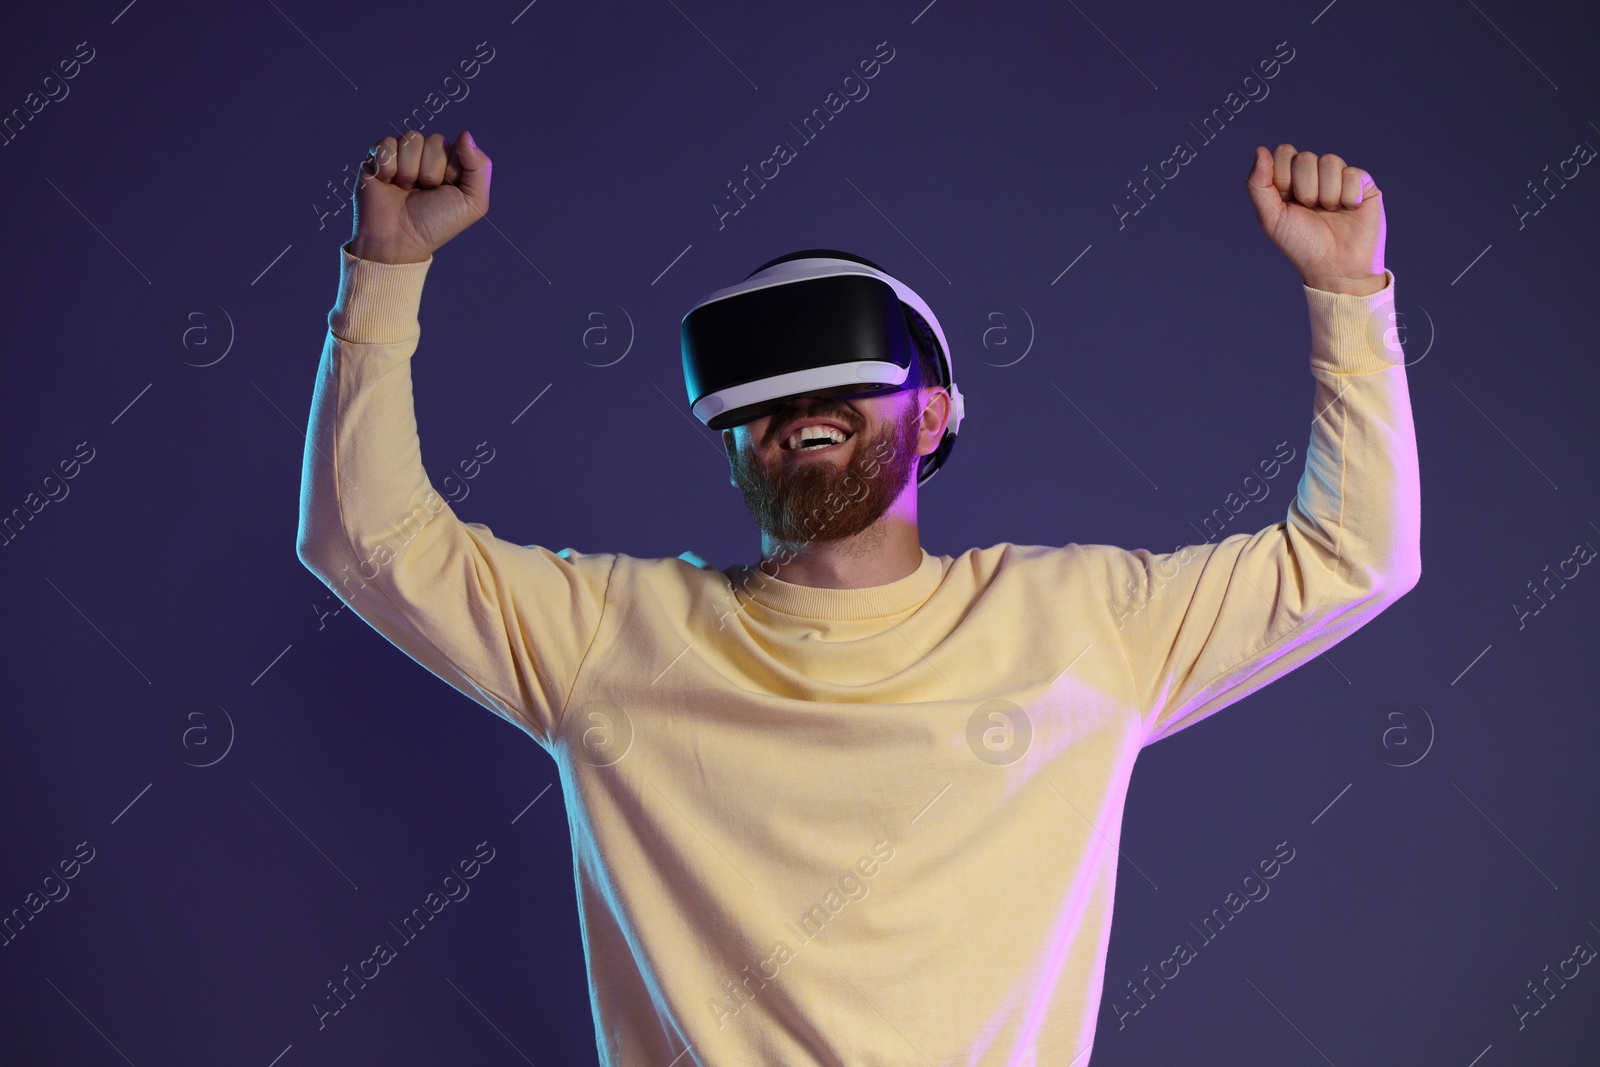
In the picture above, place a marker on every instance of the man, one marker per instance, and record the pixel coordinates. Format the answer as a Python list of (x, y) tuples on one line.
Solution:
[(857, 804)]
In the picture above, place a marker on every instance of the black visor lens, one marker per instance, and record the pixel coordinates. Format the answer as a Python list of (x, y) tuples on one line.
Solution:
[(792, 327)]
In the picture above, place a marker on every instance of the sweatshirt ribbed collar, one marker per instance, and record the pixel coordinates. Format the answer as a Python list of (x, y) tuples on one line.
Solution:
[(815, 602)]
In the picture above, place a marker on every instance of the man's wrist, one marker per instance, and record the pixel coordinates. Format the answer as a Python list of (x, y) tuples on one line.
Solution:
[(378, 254), (1361, 285)]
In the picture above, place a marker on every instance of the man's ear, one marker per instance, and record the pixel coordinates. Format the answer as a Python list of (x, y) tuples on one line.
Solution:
[(732, 450), (935, 416)]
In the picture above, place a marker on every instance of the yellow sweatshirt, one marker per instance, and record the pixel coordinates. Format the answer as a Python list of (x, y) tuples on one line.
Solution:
[(869, 826)]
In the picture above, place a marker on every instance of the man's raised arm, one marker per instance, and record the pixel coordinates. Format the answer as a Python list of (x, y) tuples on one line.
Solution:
[(504, 624), (1207, 625)]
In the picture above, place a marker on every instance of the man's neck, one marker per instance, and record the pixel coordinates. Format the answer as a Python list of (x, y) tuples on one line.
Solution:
[(884, 552)]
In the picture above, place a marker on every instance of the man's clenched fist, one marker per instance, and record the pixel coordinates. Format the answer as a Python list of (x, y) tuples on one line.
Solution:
[(1326, 217), (416, 193)]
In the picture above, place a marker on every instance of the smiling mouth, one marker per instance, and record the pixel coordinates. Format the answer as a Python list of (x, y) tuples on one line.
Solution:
[(817, 444)]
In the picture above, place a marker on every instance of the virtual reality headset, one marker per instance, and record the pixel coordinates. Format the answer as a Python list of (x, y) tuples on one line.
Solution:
[(817, 323)]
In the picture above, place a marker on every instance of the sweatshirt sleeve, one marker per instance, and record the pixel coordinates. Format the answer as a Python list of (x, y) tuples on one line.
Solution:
[(1207, 625), (506, 625)]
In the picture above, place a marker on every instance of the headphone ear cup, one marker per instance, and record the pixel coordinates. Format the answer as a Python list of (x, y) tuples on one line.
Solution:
[(929, 465)]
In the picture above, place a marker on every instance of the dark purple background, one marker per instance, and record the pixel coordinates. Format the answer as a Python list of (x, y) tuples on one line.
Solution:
[(144, 609)]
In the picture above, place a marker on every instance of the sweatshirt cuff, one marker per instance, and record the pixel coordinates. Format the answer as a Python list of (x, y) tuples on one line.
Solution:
[(377, 302), (1354, 334)]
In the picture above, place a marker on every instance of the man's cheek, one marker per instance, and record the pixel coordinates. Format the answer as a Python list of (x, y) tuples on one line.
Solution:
[(875, 457)]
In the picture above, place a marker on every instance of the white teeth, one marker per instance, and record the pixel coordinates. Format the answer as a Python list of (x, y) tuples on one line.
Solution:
[(812, 432)]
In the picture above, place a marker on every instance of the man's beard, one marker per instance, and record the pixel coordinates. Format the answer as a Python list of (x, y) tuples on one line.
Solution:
[(806, 501)]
